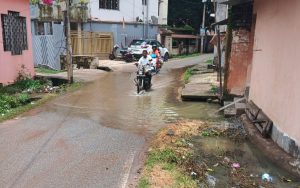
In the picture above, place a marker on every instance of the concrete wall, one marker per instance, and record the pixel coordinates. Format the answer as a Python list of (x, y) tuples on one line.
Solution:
[(192, 49), (129, 10), (131, 31), (275, 73), (10, 65)]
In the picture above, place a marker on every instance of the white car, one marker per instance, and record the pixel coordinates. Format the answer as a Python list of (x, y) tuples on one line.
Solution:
[(137, 47)]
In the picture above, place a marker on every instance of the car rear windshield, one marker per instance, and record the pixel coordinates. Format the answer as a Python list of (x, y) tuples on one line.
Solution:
[(137, 42)]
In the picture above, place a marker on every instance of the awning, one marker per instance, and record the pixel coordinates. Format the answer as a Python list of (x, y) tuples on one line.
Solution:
[(235, 2), (179, 36), (223, 22)]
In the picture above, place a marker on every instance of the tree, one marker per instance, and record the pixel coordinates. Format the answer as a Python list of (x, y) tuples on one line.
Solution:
[(189, 12)]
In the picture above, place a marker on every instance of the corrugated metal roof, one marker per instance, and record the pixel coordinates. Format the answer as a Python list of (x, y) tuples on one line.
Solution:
[(223, 22), (235, 2), (180, 36)]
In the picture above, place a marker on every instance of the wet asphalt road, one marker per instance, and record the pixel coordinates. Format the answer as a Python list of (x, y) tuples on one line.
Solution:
[(94, 137)]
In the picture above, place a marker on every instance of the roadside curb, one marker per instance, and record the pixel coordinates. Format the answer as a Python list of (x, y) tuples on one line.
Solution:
[(270, 149)]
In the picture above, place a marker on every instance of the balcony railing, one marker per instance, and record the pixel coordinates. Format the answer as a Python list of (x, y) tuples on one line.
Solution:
[(79, 12)]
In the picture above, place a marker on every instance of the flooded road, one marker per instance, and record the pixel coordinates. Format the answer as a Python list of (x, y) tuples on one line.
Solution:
[(96, 136), (113, 102)]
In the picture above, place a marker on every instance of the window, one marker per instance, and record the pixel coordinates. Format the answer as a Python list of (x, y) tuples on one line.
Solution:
[(137, 42), (155, 43), (73, 26), (14, 32), (43, 28), (144, 2), (109, 4), (159, 44), (48, 28)]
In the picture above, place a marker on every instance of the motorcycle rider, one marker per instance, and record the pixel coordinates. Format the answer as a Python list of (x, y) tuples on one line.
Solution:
[(155, 51), (156, 58), (145, 62)]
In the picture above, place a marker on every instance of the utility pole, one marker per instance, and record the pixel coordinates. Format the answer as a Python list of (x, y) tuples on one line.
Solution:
[(68, 41), (202, 32), (220, 62), (147, 17), (144, 1)]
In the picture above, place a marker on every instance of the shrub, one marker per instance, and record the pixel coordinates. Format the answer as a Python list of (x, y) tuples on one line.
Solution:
[(23, 85), (8, 102), (188, 73), (23, 98)]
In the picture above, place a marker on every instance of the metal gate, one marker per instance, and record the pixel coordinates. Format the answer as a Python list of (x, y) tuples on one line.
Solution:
[(96, 44)]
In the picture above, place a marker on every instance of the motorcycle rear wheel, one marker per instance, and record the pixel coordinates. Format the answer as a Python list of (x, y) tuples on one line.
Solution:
[(139, 85), (138, 89)]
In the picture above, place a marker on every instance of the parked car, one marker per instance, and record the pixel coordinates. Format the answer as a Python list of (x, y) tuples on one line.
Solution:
[(136, 47)]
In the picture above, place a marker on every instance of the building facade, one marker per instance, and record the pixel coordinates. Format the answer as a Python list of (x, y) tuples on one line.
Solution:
[(126, 20), (274, 83), (15, 40), (264, 58)]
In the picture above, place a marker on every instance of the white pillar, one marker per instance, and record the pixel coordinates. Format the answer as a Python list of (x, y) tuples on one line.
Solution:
[(163, 12)]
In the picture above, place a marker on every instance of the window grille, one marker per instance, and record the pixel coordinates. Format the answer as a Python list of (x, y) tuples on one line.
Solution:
[(43, 28), (14, 32), (109, 4)]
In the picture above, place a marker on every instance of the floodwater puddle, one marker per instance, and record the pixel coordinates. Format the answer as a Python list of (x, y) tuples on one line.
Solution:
[(215, 151)]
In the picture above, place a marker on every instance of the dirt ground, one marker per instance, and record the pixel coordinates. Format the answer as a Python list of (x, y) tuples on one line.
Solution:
[(190, 145)]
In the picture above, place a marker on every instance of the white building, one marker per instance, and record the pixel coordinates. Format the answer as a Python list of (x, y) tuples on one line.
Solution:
[(127, 19), (163, 12), (131, 10)]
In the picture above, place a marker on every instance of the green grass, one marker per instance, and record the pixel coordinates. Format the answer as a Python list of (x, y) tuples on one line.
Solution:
[(183, 180), (169, 161), (209, 62), (73, 87), (22, 85), (144, 183), (20, 109), (214, 89), (43, 70), (186, 56), (187, 74), (167, 156)]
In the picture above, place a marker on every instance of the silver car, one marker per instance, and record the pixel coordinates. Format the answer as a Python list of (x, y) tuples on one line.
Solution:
[(137, 47)]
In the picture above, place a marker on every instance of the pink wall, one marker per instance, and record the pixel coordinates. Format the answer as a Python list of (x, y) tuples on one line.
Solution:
[(275, 78), (10, 65)]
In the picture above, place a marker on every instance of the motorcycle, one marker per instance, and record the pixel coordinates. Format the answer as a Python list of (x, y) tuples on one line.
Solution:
[(143, 79), (118, 53)]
